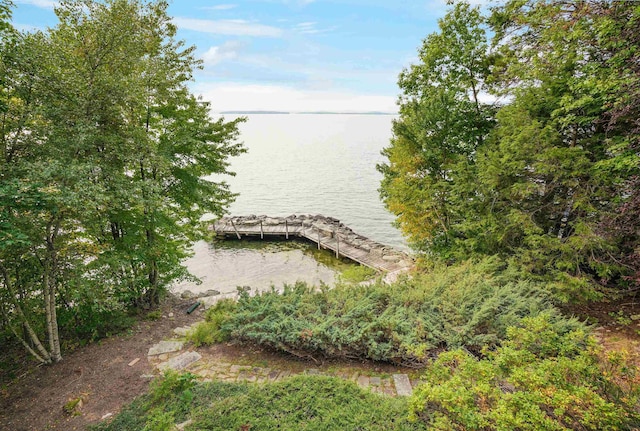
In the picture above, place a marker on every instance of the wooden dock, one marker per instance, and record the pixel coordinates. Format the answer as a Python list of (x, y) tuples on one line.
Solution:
[(328, 233)]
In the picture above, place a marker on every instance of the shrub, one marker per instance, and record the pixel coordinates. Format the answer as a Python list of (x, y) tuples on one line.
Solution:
[(542, 378), (213, 329), (470, 306), (86, 323)]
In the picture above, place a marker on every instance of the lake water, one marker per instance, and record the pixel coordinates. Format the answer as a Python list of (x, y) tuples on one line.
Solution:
[(315, 164), (300, 164)]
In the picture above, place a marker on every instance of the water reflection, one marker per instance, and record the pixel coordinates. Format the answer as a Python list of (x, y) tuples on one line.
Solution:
[(225, 265)]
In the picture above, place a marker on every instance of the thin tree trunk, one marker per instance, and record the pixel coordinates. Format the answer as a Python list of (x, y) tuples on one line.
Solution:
[(56, 355), (43, 356), (24, 342), (49, 287)]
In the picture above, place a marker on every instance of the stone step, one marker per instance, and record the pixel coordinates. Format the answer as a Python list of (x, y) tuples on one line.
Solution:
[(398, 384), (403, 385), (180, 362), (165, 347)]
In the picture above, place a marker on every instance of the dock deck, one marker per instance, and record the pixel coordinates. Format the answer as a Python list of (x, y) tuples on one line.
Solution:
[(328, 233)]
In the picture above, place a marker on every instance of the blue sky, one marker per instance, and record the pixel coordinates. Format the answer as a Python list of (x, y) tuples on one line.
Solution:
[(292, 55)]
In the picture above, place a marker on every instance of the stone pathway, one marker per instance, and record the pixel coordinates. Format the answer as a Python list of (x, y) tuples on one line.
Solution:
[(170, 355)]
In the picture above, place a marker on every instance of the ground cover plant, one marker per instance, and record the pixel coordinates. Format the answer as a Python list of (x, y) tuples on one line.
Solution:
[(539, 379), (470, 305), (297, 403)]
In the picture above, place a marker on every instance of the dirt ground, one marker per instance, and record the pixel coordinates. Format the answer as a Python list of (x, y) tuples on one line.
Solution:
[(99, 373), (101, 376)]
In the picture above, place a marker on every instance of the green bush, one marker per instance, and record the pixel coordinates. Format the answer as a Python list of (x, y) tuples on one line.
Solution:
[(469, 305), (87, 323), (541, 378), (213, 329)]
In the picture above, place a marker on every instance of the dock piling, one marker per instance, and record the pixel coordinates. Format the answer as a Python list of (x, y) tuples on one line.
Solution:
[(236, 229)]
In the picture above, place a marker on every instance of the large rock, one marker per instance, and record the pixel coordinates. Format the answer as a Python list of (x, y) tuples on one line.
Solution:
[(180, 362), (165, 347), (187, 294), (210, 292)]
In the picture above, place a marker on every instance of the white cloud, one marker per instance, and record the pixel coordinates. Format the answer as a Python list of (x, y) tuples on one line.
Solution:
[(241, 97), (227, 51), (227, 27), (45, 4), (310, 28)]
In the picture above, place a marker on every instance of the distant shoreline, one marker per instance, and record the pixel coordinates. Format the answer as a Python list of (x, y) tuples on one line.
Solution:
[(305, 113)]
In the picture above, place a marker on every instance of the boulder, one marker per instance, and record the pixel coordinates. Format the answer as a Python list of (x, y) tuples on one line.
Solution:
[(390, 258), (187, 294)]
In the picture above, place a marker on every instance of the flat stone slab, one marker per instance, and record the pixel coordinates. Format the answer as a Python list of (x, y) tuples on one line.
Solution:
[(237, 368), (403, 385), (182, 331), (165, 347), (180, 362), (363, 381)]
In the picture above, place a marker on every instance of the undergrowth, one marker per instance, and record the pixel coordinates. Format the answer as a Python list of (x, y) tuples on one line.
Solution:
[(539, 379), (214, 329), (357, 274), (470, 306)]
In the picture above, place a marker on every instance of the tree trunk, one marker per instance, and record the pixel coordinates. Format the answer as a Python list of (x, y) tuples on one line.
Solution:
[(49, 288), (42, 355)]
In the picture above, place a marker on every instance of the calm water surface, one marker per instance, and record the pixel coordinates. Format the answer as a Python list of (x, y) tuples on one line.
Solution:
[(315, 164), (300, 164)]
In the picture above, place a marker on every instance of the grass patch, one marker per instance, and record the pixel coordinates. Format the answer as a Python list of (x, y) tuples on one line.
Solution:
[(357, 274), (298, 403)]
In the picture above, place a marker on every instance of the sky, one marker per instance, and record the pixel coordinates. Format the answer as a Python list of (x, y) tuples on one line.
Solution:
[(291, 55)]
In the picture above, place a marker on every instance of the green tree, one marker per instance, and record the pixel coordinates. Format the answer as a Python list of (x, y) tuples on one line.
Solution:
[(109, 153), (544, 177), (555, 166), (442, 123)]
